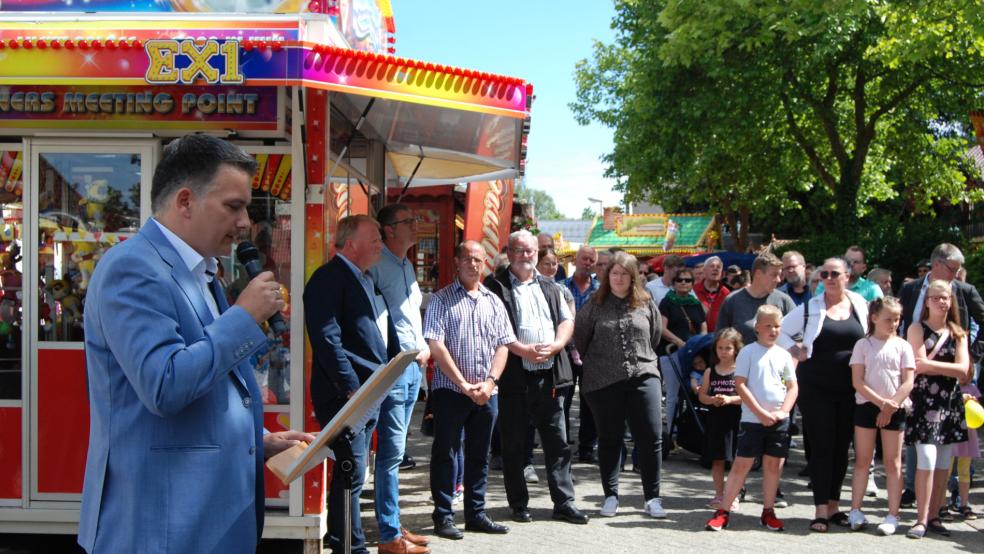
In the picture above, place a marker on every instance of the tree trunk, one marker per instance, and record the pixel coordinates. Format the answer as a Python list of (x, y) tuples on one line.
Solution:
[(745, 213), (845, 220)]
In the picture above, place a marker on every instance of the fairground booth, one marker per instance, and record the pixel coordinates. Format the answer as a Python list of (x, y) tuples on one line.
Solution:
[(339, 126), (652, 237)]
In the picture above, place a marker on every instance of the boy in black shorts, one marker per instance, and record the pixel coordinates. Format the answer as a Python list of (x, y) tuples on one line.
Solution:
[(765, 378)]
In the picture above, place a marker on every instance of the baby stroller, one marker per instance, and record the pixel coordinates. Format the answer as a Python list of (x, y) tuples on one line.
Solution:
[(685, 414)]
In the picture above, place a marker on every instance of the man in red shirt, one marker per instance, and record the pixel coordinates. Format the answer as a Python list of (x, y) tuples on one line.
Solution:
[(711, 291)]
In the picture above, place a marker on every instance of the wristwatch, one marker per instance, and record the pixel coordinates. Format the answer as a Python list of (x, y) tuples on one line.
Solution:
[(494, 380)]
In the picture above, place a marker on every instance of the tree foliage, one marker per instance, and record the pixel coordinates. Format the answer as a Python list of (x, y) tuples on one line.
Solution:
[(544, 205), (822, 110)]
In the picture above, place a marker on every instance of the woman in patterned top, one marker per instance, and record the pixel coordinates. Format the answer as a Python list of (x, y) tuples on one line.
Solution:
[(617, 332), (937, 418)]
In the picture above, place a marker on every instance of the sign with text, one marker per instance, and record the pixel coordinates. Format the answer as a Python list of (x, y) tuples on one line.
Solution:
[(132, 107)]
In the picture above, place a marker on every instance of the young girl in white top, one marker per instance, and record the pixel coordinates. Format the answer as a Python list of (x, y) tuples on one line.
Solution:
[(882, 367)]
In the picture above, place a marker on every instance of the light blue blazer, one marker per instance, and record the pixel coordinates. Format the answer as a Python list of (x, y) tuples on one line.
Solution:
[(175, 461)]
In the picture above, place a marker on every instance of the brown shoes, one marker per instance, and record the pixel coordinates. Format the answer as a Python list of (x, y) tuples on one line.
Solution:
[(401, 545), (418, 540)]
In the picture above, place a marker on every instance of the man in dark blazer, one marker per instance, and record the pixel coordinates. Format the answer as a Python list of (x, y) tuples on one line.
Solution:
[(945, 263), (351, 336)]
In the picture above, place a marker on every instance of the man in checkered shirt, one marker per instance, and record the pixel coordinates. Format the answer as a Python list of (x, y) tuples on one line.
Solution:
[(467, 329)]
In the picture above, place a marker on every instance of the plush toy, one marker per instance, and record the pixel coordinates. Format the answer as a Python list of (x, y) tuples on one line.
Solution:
[(85, 254), (71, 306), (94, 201)]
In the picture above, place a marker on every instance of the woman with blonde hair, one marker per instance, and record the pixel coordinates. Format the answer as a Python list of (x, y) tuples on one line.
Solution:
[(937, 418), (617, 333)]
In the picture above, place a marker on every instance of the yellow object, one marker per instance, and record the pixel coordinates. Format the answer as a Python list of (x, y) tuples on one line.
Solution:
[(975, 413)]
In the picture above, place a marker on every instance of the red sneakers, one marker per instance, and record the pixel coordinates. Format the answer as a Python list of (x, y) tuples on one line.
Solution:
[(770, 521), (719, 521)]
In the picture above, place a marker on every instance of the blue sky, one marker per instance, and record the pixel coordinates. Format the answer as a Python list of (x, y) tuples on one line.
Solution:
[(539, 41)]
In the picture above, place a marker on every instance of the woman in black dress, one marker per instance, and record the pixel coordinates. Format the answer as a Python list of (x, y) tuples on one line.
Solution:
[(937, 418), (830, 325)]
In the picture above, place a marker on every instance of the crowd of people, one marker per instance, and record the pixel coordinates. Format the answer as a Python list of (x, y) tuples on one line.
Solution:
[(172, 393), (511, 348)]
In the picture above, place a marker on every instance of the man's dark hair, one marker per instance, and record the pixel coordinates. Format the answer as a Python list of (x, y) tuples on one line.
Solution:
[(192, 161), (387, 214)]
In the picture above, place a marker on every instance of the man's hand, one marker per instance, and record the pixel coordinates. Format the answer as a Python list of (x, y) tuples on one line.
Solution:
[(422, 358), (529, 352), (275, 443), (767, 419), (483, 392), (261, 298)]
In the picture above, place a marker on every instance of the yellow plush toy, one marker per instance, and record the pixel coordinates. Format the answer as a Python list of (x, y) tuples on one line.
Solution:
[(94, 201), (85, 254), (70, 305)]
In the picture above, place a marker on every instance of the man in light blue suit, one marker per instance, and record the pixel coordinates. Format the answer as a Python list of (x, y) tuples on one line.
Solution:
[(176, 440)]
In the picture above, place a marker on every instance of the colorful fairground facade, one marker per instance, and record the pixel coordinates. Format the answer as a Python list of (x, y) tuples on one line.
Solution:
[(91, 90)]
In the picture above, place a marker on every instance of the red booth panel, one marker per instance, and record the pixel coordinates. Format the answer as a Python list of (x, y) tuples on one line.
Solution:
[(10, 453), (63, 421)]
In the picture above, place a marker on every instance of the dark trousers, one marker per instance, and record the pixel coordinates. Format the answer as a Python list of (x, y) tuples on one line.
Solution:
[(454, 412), (530, 441), (587, 437), (829, 421), (336, 495), (638, 400), (544, 406)]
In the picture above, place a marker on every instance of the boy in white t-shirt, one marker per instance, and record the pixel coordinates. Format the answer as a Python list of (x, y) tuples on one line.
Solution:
[(765, 378)]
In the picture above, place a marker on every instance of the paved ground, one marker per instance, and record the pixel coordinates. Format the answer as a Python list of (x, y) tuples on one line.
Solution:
[(685, 491)]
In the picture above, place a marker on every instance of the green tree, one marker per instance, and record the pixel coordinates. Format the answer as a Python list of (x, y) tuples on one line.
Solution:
[(755, 107), (588, 213), (542, 201)]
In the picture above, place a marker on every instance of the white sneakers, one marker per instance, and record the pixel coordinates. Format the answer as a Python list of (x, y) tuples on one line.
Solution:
[(889, 526), (610, 507), (654, 507), (857, 520)]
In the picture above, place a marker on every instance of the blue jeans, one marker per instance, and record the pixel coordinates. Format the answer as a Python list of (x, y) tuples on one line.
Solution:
[(453, 412), (336, 506), (394, 419)]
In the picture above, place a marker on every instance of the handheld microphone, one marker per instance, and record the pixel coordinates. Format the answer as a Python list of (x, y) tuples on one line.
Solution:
[(249, 256)]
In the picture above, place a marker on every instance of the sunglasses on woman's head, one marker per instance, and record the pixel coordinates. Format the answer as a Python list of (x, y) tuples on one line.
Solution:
[(830, 274)]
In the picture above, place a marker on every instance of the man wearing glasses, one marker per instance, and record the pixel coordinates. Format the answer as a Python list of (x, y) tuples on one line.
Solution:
[(794, 275), (396, 279), (538, 370), (945, 262)]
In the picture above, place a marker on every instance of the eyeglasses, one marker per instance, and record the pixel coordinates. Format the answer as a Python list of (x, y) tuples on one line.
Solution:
[(527, 251), (830, 274), (939, 298), (683, 280), (952, 270), (411, 220)]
